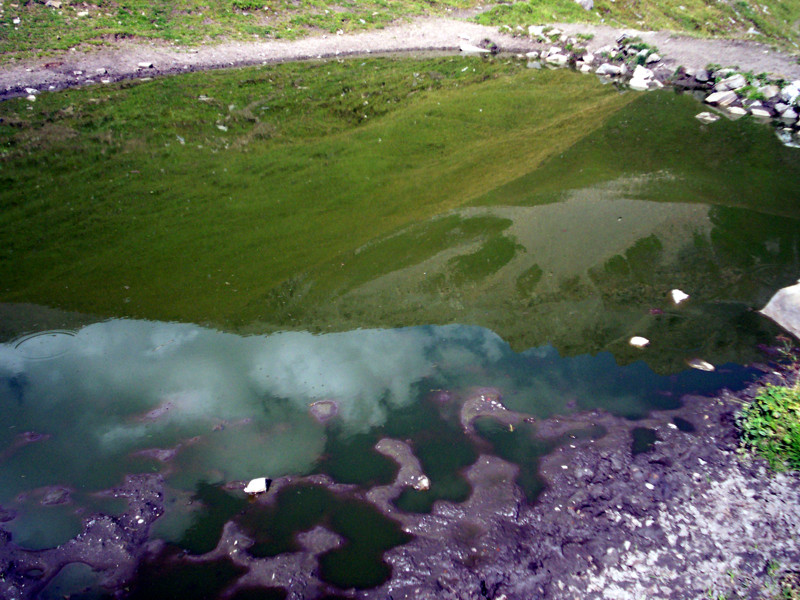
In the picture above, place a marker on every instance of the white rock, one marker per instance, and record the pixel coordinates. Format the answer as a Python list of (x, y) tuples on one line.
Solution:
[(31, 98), (557, 59), (588, 58), (734, 82), (790, 93), (608, 70), (16, 20), (53, 3), (101, 71), (584, 68), (30, 90), (145, 65), (725, 98), (586, 4), (638, 84), (789, 116), (533, 55), (472, 49), (638, 341), (653, 58), (641, 72), (256, 486), (784, 309), (757, 111), (769, 91), (700, 364), (83, 13), (706, 117), (678, 296), (423, 484), (737, 111), (536, 30)]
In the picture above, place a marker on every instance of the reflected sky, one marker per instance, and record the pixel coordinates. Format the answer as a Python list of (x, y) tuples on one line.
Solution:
[(84, 407)]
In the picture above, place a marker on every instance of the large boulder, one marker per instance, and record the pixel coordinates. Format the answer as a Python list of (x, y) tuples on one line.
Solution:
[(784, 309)]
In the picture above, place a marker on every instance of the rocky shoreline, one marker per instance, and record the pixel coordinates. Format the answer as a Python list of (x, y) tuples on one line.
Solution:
[(683, 515)]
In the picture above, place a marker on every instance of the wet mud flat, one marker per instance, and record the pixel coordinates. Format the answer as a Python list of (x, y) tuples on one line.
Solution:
[(662, 507)]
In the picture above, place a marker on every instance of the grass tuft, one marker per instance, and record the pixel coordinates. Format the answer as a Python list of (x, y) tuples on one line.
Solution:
[(770, 425)]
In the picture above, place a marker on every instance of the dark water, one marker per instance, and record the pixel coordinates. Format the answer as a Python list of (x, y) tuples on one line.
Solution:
[(532, 291)]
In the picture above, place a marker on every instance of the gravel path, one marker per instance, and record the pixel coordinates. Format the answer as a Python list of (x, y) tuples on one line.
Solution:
[(124, 59)]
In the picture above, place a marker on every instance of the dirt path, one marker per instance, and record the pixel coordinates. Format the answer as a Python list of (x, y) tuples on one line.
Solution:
[(123, 60)]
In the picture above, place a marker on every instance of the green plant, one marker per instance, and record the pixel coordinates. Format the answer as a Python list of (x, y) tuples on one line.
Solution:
[(770, 425)]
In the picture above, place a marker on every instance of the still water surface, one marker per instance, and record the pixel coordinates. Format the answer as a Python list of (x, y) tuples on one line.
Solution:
[(532, 292)]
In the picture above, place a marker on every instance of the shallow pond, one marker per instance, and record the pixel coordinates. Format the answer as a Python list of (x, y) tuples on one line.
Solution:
[(402, 236)]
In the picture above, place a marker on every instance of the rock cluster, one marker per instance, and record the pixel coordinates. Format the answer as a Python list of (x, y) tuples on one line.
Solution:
[(638, 65), (739, 94)]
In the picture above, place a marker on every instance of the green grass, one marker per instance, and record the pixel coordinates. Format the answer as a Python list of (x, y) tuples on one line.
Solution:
[(770, 425), (44, 31), (776, 20)]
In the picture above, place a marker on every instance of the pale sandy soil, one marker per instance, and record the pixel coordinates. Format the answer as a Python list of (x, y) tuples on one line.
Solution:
[(123, 59)]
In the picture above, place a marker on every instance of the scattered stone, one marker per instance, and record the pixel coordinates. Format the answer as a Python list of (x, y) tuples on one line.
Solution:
[(725, 98), (536, 30), (789, 116), (145, 65), (737, 111), (472, 49), (608, 70), (700, 364), (653, 58), (638, 341), (588, 58), (322, 410), (257, 486), (586, 4), (769, 91), (557, 59), (706, 117), (534, 64), (532, 55), (31, 98), (83, 13), (677, 295), (53, 3), (784, 309), (101, 71), (734, 82), (757, 111), (701, 76)]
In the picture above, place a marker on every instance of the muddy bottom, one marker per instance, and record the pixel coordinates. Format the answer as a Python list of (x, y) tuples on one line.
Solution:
[(662, 507)]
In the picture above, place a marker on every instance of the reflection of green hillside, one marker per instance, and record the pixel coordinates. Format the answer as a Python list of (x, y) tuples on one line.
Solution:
[(214, 197), (734, 163)]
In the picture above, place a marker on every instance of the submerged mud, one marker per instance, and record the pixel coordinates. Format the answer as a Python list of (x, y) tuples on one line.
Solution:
[(682, 516)]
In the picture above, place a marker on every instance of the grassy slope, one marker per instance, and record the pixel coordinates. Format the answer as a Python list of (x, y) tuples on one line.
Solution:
[(43, 30)]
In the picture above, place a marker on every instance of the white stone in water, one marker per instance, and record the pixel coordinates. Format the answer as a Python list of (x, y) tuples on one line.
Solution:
[(784, 309), (759, 112), (737, 111), (471, 49), (638, 341), (707, 117), (256, 486), (678, 296), (700, 364), (721, 98), (423, 484)]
